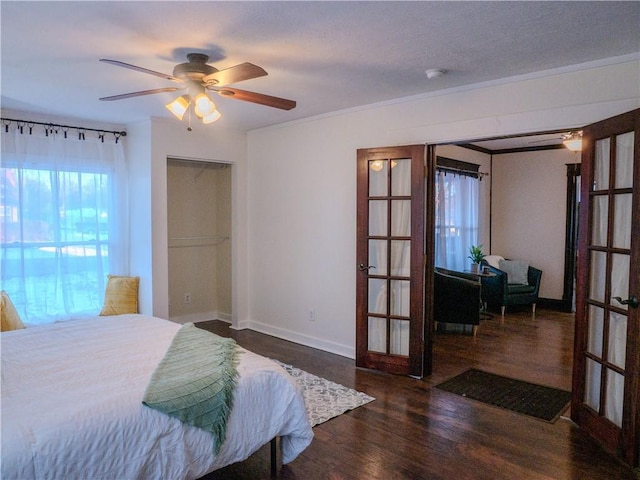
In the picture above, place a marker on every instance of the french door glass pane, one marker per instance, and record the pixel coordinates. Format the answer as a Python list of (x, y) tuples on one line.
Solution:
[(592, 385), (600, 214), (400, 297), (624, 160), (401, 218), (378, 257), (596, 325), (614, 397), (399, 337), (598, 275), (622, 221), (601, 166), (378, 218), (401, 177), (400, 258), (377, 296), (617, 339), (378, 184), (377, 335), (620, 277)]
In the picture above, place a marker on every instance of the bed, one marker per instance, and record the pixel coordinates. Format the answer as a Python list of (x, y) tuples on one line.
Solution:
[(71, 405)]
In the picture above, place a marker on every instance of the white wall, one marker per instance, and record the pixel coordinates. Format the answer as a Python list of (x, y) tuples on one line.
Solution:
[(150, 144), (138, 151), (302, 184), (529, 212)]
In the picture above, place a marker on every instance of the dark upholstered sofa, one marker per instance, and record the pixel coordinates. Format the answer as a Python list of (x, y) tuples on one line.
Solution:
[(497, 291), (456, 298)]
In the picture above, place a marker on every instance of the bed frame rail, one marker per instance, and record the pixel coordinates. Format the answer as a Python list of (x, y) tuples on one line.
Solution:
[(276, 458)]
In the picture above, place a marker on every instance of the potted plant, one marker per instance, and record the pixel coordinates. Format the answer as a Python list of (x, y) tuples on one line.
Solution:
[(476, 256)]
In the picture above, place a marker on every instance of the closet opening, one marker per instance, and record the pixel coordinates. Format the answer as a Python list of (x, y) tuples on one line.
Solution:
[(199, 240)]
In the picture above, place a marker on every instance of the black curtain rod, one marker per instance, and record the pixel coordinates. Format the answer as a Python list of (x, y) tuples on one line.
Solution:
[(460, 171), (54, 125)]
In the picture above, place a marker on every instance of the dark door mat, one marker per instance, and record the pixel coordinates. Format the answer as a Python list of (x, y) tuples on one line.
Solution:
[(538, 401)]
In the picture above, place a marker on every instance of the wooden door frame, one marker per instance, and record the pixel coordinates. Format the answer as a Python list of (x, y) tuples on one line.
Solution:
[(429, 268), (571, 237)]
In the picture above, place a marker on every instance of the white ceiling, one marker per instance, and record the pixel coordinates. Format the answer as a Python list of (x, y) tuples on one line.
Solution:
[(327, 56)]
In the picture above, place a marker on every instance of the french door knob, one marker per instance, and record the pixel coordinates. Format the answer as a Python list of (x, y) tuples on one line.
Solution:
[(631, 301), (362, 267)]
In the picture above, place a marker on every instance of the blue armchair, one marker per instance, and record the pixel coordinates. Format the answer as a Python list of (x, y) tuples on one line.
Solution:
[(496, 289)]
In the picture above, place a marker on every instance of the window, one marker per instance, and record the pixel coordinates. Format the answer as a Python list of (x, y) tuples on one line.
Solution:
[(457, 196), (62, 215)]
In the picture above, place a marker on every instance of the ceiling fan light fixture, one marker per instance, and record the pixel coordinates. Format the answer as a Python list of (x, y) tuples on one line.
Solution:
[(212, 117), (203, 106), (179, 106), (574, 142)]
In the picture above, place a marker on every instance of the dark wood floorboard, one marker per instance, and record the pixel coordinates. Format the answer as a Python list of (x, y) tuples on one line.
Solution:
[(415, 431)]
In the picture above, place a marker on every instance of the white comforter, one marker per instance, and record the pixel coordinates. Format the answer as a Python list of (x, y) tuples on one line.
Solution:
[(71, 406)]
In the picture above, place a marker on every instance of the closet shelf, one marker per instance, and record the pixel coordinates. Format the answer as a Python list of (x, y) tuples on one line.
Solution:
[(197, 241)]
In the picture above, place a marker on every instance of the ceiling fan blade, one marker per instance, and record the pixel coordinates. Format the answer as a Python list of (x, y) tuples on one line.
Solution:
[(260, 98), (143, 70), (138, 94), (244, 71)]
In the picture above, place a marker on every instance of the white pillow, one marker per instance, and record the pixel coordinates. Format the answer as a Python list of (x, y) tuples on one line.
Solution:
[(493, 260), (516, 271)]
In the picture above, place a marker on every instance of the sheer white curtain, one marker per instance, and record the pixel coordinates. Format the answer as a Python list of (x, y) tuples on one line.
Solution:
[(400, 258), (400, 250), (64, 219), (457, 198), (620, 275)]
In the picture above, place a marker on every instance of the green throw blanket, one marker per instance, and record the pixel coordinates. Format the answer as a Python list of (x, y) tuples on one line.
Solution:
[(195, 380)]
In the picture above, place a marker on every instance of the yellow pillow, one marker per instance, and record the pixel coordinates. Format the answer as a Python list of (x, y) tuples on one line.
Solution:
[(9, 317), (121, 295)]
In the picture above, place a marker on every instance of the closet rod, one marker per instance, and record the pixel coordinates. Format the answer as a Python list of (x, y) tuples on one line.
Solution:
[(207, 237)]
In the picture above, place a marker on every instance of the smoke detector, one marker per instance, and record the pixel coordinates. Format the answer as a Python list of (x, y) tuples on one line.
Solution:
[(435, 73)]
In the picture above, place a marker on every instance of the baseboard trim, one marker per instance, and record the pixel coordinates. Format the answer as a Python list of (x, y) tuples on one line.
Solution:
[(295, 337), (551, 304), (243, 325)]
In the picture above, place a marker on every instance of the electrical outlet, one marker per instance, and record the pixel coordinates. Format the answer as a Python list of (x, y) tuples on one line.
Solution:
[(311, 315), (187, 298)]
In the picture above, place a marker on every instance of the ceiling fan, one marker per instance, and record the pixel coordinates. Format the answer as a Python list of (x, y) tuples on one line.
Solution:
[(197, 76)]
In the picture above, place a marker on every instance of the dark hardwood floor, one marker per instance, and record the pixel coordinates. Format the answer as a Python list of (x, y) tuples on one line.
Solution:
[(415, 431)]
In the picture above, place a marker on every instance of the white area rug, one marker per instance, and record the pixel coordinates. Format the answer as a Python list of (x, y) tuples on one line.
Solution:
[(324, 399)]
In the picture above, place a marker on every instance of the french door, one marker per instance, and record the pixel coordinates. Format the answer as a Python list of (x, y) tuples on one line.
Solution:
[(607, 330), (390, 256)]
